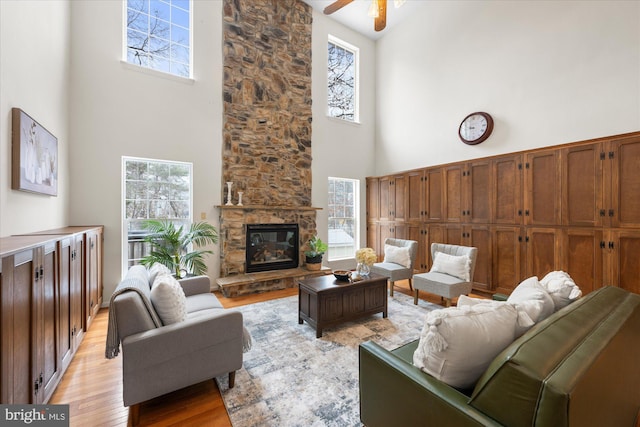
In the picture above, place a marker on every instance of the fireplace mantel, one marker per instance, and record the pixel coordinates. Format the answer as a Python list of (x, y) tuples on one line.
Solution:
[(269, 208)]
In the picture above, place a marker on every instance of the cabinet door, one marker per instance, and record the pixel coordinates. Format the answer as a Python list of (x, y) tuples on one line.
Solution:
[(542, 251), (506, 258), (453, 234), (436, 233), (399, 185), (623, 247), (373, 239), (385, 197), (418, 233), (78, 314), (92, 273), (415, 193), (477, 192), (583, 257), (373, 201), (433, 197), (453, 193), (624, 161), (582, 202), (542, 192), (47, 368), (65, 290), (479, 236), (507, 200)]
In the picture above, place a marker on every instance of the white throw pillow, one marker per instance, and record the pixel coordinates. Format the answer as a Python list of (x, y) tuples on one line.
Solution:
[(457, 344), (561, 287), (168, 299), (397, 255), (524, 309), (156, 270), (453, 265), (533, 298)]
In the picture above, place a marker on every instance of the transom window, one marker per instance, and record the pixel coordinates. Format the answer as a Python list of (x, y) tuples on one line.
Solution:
[(152, 189), (342, 80), (344, 196), (158, 35)]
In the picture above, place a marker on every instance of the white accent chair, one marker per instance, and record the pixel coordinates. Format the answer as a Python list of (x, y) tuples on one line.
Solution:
[(395, 271), (442, 284)]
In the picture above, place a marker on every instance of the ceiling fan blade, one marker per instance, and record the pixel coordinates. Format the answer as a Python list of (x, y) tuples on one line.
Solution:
[(335, 6), (381, 20)]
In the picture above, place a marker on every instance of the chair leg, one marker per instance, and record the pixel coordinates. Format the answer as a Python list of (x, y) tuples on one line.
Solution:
[(411, 284), (447, 302), (390, 287), (415, 297), (232, 379), (134, 414)]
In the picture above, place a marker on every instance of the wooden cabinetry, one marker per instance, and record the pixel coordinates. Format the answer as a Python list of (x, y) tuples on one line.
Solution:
[(574, 207), (93, 266), (42, 312)]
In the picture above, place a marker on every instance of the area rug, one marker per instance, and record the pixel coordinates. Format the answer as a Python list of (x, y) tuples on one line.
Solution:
[(292, 378)]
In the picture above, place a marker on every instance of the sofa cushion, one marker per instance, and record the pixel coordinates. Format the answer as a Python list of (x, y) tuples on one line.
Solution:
[(457, 344), (453, 265), (168, 299), (561, 287), (199, 302), (397, 255), (534, 298)]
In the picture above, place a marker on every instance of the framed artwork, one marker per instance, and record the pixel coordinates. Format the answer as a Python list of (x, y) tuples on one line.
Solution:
[(34, 156)]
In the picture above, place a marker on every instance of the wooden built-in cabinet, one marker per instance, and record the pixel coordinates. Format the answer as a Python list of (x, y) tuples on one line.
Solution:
[(43, 319), (573, 207)]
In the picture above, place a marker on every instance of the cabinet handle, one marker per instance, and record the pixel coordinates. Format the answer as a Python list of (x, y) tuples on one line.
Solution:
[(526, 212), (602, 156), (463, 213), (519, 212), (610, 245), (602, 245), (468, 213), (611, 154), (526, 239), (519, 238), (610, 212), (41, 271), (602, 212)]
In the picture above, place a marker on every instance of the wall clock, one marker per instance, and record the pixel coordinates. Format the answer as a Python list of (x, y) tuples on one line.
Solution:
[(475, 128)]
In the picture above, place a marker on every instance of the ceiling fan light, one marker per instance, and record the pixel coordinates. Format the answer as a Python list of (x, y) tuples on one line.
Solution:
[(373, 9), (398, 3)]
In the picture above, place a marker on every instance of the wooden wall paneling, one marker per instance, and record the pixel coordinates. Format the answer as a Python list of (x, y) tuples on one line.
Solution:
[(415, 196), (373, 199), (453, 193), (583, 252), (385, 197), (373, 239), (623, 162), (434, 195), (507, 199), (506, 258), (453, 234), (399, 197), (582, 185), (542, 251), (542, 195), (477, 192)]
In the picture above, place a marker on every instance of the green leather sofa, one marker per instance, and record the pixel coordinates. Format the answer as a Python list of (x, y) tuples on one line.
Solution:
[(579, 367)]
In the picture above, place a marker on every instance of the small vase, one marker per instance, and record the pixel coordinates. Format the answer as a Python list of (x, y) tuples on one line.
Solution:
[(229, 202), (363, 269), (240, 198)]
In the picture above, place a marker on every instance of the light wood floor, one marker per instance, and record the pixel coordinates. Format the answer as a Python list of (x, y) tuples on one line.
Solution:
[(92, 385)]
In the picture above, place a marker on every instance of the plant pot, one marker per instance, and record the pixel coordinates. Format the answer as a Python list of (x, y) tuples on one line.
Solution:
[(314, 263)]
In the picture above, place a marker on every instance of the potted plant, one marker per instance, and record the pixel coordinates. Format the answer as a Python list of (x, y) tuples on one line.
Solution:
[(317, 248), (175, 247)]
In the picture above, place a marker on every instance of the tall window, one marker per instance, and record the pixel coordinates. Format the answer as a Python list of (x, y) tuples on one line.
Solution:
[(152, 189), (342, 80), (159, 35), (344, 196)]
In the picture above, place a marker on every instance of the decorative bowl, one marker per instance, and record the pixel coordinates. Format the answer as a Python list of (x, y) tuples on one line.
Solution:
[(342, 275)]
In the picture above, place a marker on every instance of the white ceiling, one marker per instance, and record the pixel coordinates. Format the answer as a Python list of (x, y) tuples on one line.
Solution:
[(354, 15)]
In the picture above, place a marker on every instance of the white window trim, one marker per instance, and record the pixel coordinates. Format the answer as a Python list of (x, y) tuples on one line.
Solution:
[(152, 71), (356, 216), (356, 51)]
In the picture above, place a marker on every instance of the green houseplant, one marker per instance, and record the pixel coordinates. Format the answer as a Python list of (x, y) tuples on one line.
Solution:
[(313, 256), (175, 247)]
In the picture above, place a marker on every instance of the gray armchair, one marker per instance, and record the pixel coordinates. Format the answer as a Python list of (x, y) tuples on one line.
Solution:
[(158, 359), (442, 284), (395, 271)]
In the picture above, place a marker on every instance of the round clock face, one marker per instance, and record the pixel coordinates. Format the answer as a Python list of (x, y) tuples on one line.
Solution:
[(475, 128)]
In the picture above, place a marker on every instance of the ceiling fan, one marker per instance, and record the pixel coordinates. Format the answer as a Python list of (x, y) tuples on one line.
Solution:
[(377, 10)]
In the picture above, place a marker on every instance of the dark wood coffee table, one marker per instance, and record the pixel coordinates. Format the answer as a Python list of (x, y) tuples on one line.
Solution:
[(325, 301)]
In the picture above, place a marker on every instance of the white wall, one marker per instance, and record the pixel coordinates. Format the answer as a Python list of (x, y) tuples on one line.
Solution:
[(34, 76), (340, 149), (118, 110), (548, 73)]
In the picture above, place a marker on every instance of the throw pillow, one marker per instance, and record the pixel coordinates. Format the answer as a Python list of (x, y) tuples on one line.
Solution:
[(531, 290), (457, 344), (168, 299), (561, 287), (453, 265), (397, 255), (524, 309), (157, 269)]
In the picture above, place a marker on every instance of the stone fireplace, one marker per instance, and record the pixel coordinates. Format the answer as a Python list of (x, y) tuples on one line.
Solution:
[(266, 149)]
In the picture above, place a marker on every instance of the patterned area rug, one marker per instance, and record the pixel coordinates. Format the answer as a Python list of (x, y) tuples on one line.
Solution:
[(290, 378)]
